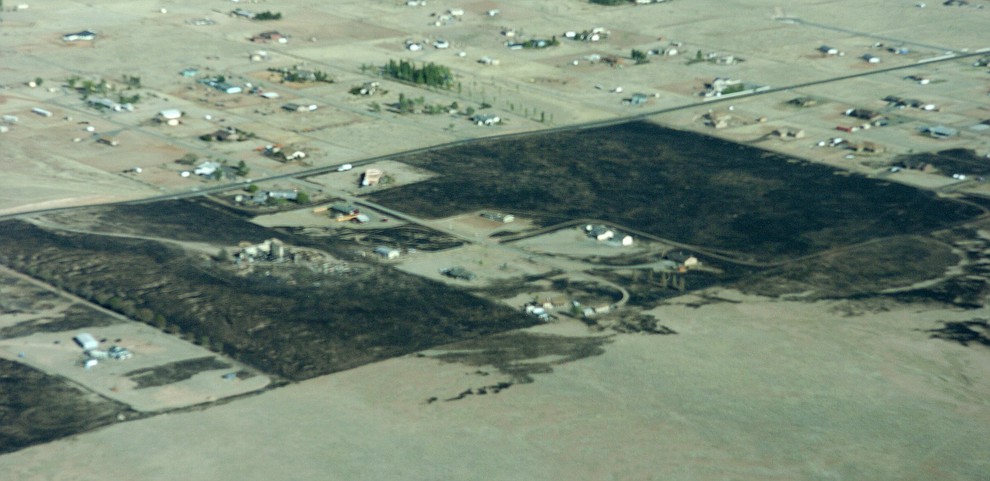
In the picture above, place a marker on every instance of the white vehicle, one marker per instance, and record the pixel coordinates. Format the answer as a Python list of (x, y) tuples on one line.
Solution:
[(345, 167)]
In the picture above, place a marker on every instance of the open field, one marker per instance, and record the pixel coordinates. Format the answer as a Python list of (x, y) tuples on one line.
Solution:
[(828, 397), (836, 327)]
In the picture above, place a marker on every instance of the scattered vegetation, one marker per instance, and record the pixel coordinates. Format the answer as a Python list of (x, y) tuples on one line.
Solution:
[(187, 159), (964, 332), (242, 170), (298, 75), (408, 105)]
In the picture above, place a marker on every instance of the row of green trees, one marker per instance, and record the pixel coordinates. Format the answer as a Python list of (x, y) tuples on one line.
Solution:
[(429, 74)]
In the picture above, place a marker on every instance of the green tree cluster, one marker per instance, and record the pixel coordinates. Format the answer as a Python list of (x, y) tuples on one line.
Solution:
[(429, 74), (639, 56), (268, 15)]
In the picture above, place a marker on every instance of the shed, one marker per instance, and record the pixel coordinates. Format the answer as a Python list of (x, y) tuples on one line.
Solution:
[(86, 341)]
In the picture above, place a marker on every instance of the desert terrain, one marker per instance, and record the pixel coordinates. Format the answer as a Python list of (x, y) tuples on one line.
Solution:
[(622, 278)]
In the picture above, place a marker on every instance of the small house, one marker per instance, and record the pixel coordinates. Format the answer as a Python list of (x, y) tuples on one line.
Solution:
[(86, 341), (599, 232), (825, 49), (111, 141), (387, 252), (939, 131), (228, 88), (85, 35), (240, 12), (868, 147), (718, 120), (789, 133), (682, 258), (283, 194), (269, 36), (345, 209), (170, 114), (486, 119), (207, 168)]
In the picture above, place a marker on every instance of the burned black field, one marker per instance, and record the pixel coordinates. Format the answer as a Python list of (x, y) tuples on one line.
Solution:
[(37, 408), (292, 328), (682, 186)]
